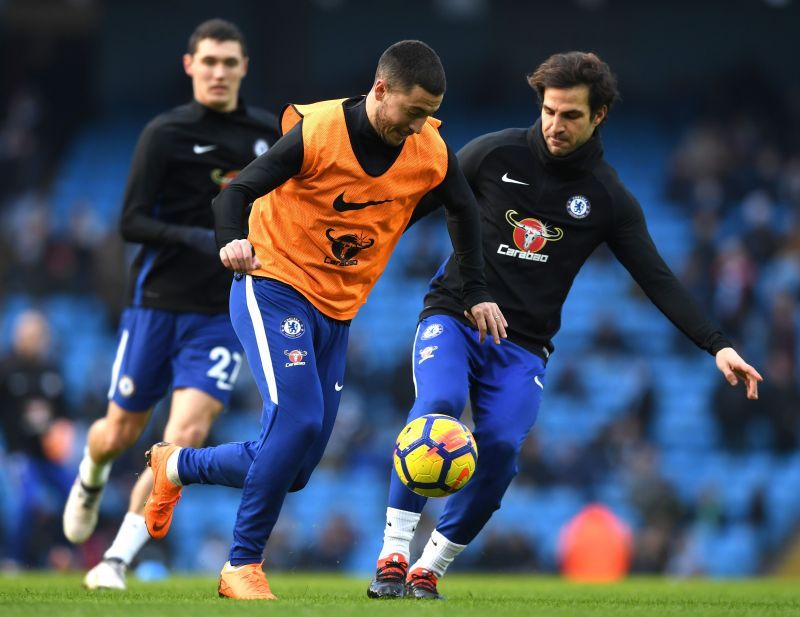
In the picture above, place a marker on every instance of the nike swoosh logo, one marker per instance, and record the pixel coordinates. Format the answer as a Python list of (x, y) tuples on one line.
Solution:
[(340, 205), (338, 387), (538, 382), (198, 149), (505, 178)]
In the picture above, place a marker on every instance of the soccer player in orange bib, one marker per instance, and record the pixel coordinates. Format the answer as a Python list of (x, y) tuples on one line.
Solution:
[(331, 199)]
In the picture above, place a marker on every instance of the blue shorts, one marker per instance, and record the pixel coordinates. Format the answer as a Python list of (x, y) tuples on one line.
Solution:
[(160, 348)]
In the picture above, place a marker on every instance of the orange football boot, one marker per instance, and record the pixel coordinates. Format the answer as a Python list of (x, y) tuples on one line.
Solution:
[(164, 497), (247, 582)]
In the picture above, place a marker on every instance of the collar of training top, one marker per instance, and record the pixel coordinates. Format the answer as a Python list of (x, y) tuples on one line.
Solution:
[(581, 160), (241, 109)]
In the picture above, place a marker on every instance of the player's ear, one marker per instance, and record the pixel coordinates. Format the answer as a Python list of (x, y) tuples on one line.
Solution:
[(187, 64), (600, 115), (245, 65), (380, 89)]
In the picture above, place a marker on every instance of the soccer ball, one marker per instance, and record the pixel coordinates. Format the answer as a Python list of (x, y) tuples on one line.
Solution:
[(435, 455)]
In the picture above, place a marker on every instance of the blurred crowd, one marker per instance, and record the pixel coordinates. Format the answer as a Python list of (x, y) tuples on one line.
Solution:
[(735, 174)]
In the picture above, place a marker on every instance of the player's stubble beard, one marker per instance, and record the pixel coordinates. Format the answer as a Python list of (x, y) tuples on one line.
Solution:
[(382, 126)]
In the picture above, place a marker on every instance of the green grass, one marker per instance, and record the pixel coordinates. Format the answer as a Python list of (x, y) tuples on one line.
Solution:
[(51, 595)]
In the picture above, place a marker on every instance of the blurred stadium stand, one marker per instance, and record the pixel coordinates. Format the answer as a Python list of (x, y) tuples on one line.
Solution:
[(628, 405)]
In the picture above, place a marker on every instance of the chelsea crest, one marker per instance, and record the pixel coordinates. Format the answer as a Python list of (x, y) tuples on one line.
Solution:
[(578, 207)]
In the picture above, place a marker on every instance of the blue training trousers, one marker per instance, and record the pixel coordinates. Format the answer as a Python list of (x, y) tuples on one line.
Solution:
[(504, 383), (297, 356)]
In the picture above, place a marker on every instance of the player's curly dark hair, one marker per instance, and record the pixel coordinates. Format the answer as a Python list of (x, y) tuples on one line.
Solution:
[(577, 68), (412, 63), (218, 30)]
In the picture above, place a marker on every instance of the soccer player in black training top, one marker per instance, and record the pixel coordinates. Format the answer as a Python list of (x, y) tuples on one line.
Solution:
[(176, 331), (547, 199)]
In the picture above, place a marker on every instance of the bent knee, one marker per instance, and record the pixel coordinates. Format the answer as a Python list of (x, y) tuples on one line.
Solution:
[(308, 429)]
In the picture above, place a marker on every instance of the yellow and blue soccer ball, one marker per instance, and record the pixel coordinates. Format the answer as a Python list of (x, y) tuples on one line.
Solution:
[(435, 455)]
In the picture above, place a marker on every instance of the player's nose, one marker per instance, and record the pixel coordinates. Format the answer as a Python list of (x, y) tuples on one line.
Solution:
[(417, 125)]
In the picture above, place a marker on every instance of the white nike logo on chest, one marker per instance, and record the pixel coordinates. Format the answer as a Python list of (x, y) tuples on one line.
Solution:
[(198, 149), (505, 178)]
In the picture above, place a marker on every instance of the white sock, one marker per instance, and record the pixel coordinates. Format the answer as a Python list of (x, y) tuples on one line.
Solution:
[(172, 468), (439, 553), (399, 530), (131, 537), (93, 474)]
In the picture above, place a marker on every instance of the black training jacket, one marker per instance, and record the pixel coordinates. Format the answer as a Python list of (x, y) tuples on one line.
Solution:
[(183, 159), (541, 218)]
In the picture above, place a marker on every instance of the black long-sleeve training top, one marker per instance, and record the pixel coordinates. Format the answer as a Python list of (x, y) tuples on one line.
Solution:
[(541, 218), (183, 159), (285, 160)]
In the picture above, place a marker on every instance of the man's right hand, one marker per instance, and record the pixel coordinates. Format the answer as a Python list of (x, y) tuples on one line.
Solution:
[(488, 318), (239, 256)]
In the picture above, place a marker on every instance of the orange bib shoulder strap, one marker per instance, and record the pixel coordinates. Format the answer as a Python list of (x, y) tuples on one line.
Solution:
[(292, 113)]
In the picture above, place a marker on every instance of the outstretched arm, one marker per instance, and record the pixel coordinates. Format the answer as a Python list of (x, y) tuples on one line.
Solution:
[(634, 247)]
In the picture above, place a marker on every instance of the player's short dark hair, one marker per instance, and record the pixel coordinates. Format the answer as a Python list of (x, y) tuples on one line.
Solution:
[(219, 30), (577, 68), (412, 63)]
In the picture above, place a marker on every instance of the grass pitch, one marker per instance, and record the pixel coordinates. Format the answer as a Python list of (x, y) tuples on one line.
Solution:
[(53, 595)]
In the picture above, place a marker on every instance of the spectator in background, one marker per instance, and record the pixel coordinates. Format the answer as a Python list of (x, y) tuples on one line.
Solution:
[(569, 382), (758, 212), (38, 437), (790, 182), (782, 274), (506, 550), (697, 165), (657, 507), (734, 280), (782, 335), (781, 401), (20, 153), (534, 468), (699, 266), (70, 257), (608, 339), (26, 229), (333, 547)]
